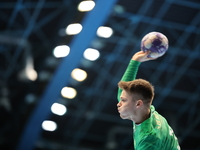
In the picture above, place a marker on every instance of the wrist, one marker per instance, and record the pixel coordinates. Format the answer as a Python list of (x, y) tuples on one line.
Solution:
[(135, 59)]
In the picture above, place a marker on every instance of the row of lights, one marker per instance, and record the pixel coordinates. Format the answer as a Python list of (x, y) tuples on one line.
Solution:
[(64, 50), (76, 28), (73, 29), (77, 74)]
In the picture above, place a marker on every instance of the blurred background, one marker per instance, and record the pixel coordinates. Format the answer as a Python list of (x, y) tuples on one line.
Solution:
[(51, 100)]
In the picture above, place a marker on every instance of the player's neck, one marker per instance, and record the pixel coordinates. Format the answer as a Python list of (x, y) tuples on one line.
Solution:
[(142, 116)]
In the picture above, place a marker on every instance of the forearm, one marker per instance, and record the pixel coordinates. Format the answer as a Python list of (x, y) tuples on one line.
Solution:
[(131, 71), (130, 74)]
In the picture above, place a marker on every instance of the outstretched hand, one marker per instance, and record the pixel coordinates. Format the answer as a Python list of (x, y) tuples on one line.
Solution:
[(142, 56)]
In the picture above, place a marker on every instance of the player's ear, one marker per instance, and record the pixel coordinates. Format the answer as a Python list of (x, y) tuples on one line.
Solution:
[(139, 103)]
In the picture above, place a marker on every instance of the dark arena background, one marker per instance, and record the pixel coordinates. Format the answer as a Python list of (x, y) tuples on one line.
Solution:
[(32, 78)]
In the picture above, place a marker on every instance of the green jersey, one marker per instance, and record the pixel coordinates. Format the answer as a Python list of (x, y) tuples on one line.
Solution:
[(153, 133)]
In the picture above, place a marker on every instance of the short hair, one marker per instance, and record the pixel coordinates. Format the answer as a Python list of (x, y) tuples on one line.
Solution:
[(141, 88)]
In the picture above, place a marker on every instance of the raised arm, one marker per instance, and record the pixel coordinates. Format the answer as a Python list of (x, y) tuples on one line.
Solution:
[(132, 69)]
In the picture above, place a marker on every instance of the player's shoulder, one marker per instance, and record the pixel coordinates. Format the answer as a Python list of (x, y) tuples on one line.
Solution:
[(158, 120), (160, 125)]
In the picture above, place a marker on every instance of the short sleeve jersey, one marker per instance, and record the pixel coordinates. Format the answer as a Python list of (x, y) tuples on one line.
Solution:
[(154, 133)]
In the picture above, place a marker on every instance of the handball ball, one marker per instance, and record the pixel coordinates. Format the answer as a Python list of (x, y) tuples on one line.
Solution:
[(156, 42)]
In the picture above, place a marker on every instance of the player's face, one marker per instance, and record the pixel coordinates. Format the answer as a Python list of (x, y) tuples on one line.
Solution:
[(126, 106)]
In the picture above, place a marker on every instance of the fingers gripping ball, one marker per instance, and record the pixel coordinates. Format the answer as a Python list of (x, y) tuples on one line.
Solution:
[(156, 42)]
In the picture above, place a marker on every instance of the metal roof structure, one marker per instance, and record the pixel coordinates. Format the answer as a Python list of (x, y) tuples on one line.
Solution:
[(29, 31)]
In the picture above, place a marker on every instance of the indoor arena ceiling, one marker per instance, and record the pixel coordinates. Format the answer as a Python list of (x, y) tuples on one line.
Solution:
[(31, 29)]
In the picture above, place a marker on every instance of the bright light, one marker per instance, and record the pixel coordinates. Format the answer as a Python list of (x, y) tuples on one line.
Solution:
[(86, 6), (68, 92), (73, 29), (91, 54), (104, 32), (58, 109), (31, 74), (49, 125), (61, 51), (79, 74)]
